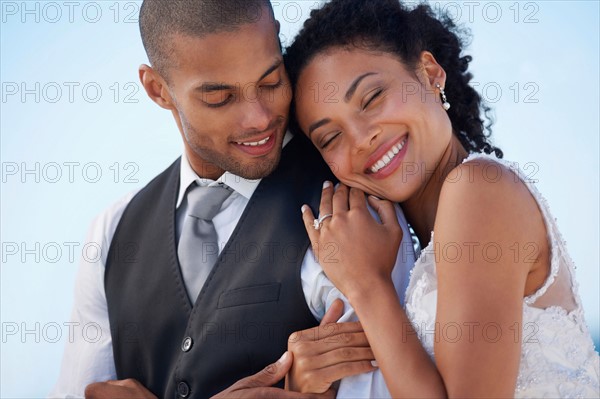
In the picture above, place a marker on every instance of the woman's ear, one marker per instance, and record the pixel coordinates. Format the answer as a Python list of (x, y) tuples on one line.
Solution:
[(156, 87), (431, 71)]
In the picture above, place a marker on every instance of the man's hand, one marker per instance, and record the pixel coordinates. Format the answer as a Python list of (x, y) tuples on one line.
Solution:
[(330, 352), (122, 389), (260, 384)]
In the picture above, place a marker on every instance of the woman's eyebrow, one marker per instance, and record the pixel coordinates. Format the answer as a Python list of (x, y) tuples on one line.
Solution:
[(355, 84), (317, 125)]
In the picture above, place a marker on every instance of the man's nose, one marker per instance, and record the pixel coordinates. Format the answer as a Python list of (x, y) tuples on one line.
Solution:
[(256, 114)]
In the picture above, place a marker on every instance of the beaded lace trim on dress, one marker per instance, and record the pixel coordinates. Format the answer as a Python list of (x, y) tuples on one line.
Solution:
[(557, 353)]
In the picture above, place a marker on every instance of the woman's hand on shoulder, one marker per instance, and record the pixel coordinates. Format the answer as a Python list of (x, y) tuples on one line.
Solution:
[(356, 251)]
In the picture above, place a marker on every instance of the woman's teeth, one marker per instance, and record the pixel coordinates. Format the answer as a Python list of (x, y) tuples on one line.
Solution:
[(387, 158), (255, 143)]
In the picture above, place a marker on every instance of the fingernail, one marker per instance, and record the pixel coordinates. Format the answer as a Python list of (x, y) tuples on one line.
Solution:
[(284, 357), (304, 208), (373, 363), (327, 184), (375, 198)]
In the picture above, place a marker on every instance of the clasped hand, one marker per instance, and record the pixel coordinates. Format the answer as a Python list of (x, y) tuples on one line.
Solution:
[(258, 385), (315, 359)]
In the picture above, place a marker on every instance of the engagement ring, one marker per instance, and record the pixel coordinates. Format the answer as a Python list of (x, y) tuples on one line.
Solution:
[(317, 223)]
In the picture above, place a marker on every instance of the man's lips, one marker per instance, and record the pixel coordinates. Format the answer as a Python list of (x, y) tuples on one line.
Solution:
[(254, 142), (259, 145)]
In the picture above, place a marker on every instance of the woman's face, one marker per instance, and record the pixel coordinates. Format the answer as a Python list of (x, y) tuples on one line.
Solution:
[(379, 126)]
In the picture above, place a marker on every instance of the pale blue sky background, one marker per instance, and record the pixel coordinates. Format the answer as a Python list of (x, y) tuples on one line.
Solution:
[(537, 62)]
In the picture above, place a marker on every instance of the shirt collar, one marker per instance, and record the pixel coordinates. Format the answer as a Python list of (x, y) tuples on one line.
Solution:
[(244, 187)]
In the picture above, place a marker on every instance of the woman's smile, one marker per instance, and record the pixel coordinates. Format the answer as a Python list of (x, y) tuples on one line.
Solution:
[(381, 166)]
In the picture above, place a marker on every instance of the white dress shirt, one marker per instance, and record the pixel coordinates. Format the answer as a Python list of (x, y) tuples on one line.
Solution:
[(90, 359)]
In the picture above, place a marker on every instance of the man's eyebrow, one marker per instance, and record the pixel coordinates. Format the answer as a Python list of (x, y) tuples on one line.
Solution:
[(317, 125), (213, 86), (355, 84), (271, 69), (209, 87)]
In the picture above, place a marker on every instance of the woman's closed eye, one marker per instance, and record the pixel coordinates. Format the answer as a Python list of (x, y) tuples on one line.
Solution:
[(372, 96), (328, 138)]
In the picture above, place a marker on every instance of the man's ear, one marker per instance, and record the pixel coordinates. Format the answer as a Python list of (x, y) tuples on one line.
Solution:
[(156, 87), (431, 71), (277, 30)]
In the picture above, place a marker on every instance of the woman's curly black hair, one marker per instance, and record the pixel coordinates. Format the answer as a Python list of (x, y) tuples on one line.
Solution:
[(388, 26)]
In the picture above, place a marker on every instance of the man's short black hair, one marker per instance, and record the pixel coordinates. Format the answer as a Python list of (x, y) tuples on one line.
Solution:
[(161, 19)]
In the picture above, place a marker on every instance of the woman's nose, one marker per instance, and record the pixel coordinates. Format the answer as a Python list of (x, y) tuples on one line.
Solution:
[(365, 136)]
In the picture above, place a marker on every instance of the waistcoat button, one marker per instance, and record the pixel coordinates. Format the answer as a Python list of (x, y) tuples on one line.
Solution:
[(186, 345), (183, 389)]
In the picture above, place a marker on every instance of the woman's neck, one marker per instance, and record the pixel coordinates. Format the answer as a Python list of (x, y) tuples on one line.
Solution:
[(421, 208)]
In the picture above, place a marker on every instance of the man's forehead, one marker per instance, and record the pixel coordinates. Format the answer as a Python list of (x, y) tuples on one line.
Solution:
[(229, 57)]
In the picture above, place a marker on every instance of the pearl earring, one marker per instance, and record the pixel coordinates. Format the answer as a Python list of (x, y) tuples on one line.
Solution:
[(445, 103)]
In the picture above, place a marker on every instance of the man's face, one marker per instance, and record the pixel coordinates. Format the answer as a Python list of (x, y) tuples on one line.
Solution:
[(231, 96)]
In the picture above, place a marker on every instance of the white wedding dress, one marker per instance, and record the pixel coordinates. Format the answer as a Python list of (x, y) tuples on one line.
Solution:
[(557, 352)]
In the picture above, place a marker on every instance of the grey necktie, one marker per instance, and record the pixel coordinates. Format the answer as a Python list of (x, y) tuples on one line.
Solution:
[(198, 247)]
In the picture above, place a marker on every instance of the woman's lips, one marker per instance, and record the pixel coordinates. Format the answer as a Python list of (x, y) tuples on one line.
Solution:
[(387, 158)]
